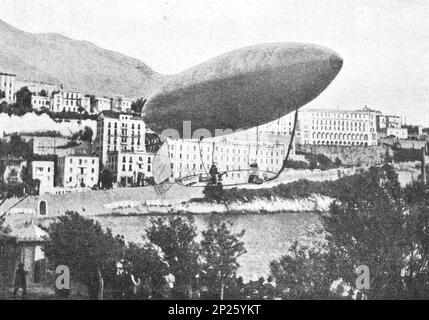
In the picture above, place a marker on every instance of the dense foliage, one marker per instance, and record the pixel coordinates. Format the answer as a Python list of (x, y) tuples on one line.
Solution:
[(373, 223)]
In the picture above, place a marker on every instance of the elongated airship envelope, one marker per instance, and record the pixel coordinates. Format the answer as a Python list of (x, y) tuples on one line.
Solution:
[(244, 88)]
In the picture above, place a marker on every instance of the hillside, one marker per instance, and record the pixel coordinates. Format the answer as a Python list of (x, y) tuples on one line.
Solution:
[(78, 65)]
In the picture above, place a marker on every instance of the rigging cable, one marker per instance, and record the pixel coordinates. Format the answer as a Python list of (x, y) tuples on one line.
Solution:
[(201, 156), (277, 174), (289, 149)]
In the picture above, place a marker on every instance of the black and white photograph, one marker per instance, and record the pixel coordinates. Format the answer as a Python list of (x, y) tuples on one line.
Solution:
[(185, 151)]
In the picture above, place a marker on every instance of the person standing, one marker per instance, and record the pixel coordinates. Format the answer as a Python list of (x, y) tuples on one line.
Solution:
[(20, 281), (214, 174)]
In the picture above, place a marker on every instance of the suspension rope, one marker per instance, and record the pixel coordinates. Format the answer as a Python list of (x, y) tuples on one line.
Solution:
[(289, 149), (276, 174), (201, 157)]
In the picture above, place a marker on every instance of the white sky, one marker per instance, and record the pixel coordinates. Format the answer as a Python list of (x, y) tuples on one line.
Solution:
[(385, 44)]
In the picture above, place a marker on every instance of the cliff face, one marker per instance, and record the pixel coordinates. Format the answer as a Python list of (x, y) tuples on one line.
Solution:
[(78, 65)]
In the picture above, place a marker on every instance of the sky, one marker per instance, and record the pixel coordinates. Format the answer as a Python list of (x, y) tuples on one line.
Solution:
[(384, 44)]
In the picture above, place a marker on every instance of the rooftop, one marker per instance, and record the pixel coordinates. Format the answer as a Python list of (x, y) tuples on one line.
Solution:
[(7, 74), (115, 115), (28, 231)]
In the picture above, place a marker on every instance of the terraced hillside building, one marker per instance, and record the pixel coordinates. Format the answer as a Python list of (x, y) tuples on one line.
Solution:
[(68, 101), (7, 87), (44, 172), (78, 171), (119, 132)]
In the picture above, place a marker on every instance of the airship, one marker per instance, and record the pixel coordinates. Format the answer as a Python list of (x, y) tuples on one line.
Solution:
[(244, 88)]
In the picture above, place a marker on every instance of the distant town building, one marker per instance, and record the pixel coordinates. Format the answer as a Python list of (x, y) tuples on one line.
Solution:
[(44, 172), (68, 101), (282, 126), (39, 102), (119, 132), (86, 104), (120, 104), (399, 133), (130, 168), (7, 87), (102, 104), (36, 87), (388, 121), (78, 171), (42, 145), (335, 127)]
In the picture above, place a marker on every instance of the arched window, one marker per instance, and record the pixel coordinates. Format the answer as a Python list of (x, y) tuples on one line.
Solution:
[(43, 208)]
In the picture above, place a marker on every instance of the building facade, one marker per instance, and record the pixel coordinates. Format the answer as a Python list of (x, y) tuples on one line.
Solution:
[(399, 133), (190, 158), (86, 104), (7, 87), (130, 168), (46, 145), (337, 127), (119, 132), (39, 102), (388, 121), (121, 104), (68, 101), (102, 104), (78, 171), (44, 172)]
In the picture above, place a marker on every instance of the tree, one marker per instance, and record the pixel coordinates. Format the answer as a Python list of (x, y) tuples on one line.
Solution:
[(106, 179), (16, 147), (84, 135), (90, 252), (23, 100), (137, 106), (145, 263), (303, 274), (220, 250), (366, 226), (176, 238), (373, 223), (87, 134), (43, 93)]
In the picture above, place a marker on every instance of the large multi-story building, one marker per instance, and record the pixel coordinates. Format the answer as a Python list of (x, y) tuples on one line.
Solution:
[(190, 158), (78, 171), (68, 101), (44, 172), (130, 168), (334, 127), (119, 132), (7, 87)]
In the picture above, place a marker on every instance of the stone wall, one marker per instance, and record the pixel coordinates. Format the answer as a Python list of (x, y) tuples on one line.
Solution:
[(349, 155)]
